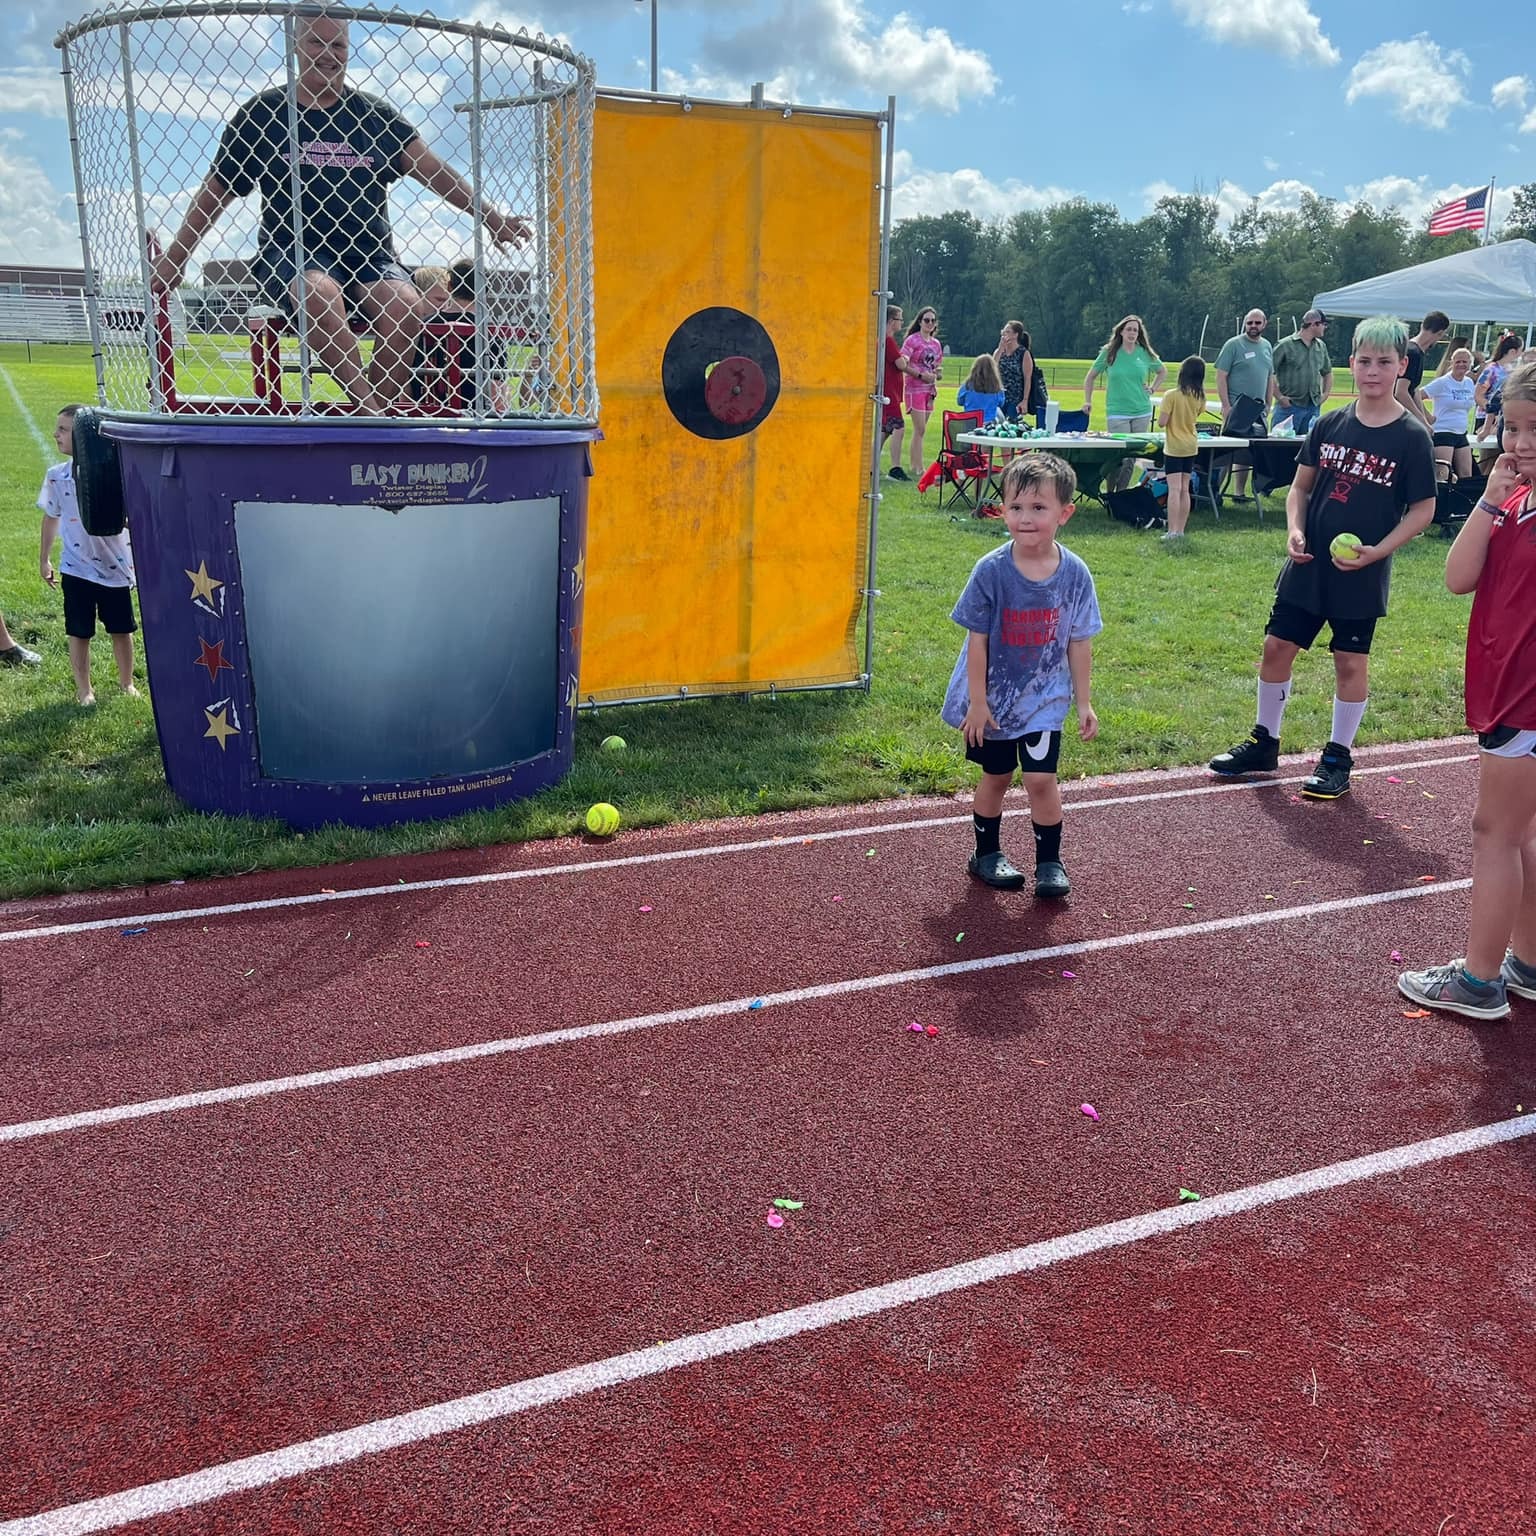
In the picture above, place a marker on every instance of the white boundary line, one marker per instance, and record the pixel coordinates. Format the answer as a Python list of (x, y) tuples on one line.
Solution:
[(90, 1119), (673, 855), (261, 1471), (44, 447)]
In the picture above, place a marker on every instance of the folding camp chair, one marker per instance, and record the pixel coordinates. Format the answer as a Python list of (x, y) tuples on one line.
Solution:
[(963, 471)]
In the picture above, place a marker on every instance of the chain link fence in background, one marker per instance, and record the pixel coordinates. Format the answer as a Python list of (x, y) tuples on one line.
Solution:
[(163, 97)]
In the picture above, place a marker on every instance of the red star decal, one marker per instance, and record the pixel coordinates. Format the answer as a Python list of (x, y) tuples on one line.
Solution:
[(213, 659)]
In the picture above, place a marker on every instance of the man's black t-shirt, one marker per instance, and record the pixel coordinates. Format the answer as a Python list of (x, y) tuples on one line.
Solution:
[(348, 155), (1414, 372), (1367, 477)]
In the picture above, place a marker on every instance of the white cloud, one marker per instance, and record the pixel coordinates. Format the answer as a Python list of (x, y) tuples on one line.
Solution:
[(823, 51), (1286, 27), (1422, 83), (916, 192), (35, 224), (33, 88), (1230, 199), (1512, 93)]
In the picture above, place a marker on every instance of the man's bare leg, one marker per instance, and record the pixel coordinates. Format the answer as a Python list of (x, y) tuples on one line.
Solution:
[(396, 311), (332, 342)]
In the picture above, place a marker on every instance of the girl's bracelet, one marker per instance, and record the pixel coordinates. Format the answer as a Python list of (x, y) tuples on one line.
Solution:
[(1484, 505)]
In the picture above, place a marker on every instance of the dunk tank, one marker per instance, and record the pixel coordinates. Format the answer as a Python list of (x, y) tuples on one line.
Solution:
[(361, 579)]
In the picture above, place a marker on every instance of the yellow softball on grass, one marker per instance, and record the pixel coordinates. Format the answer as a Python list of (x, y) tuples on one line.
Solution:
[(602, 819), (1346, 546), (613, 744)]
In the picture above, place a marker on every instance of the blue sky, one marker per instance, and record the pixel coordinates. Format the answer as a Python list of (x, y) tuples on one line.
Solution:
[(1008, 106)]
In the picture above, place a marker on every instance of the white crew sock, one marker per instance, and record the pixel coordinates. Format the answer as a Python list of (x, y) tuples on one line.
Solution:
[(1272, 697), (1346, 720)]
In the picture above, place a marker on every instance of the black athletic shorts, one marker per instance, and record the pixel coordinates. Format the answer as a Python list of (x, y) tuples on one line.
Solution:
[(274, 274), (1300, 626), (1179, 464), (1038, 752), (84, 600), (1451, 440)]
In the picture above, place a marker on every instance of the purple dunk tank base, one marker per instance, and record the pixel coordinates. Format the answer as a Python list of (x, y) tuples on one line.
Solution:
[(357, 625)]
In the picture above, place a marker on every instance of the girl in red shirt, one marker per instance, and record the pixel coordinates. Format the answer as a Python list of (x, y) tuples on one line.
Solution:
[(1494, 557)]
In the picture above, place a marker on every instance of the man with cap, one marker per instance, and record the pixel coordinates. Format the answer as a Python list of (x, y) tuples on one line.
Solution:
[(1303, 373)]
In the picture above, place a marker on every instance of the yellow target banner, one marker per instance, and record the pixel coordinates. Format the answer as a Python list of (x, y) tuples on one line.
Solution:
[(737, 254)]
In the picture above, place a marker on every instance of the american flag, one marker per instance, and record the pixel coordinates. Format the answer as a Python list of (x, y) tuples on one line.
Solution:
[(1469, 212)]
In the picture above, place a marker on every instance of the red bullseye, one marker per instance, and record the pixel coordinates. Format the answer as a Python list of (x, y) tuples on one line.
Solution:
[(735, 390)]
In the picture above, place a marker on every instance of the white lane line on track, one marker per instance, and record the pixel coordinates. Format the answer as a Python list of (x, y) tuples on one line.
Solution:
[(90, 1119), (44, 447), (407, 1429), (757, 845)]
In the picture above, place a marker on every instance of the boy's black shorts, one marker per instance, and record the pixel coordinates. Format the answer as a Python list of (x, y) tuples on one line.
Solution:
[(1036, 752), (83, 600), (1300, 626)]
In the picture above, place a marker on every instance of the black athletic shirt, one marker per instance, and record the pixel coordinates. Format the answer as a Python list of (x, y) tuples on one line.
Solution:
[(348, 155), (1367, 477), (1414, 372)]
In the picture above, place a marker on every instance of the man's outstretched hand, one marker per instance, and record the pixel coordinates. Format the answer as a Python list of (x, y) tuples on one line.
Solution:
[(508, 228)]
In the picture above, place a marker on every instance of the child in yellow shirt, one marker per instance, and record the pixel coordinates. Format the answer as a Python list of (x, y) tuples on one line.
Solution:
[(1181, 408)]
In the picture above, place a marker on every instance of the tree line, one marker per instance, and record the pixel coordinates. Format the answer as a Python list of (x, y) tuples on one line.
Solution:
[(1071, 271)]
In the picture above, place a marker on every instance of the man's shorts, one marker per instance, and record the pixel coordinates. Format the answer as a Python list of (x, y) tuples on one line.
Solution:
[(1036, 752), (1300, 626), (274, 274), (892, 420), (84, 600), (1507, 741)]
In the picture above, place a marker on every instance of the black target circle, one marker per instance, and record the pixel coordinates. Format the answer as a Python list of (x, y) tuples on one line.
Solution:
[(720, 373)]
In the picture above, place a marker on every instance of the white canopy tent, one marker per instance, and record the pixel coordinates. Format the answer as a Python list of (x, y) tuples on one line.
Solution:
[(1494, 283)]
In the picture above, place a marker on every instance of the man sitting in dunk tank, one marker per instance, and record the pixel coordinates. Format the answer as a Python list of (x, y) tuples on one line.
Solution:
[(351, 147)]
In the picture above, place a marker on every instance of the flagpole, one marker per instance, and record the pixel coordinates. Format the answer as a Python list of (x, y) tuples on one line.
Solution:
[(1488, 213)]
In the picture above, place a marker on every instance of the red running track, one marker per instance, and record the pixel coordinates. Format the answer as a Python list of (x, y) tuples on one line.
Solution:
[(232, 1278)]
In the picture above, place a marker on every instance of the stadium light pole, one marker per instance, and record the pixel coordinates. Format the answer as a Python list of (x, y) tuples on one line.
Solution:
[(653, 42)]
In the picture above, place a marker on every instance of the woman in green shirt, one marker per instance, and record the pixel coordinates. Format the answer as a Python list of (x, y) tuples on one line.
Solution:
[(1131, 370)]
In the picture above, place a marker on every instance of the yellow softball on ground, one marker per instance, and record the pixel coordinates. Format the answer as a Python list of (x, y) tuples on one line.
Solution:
[(1346, 546), (602, 819)]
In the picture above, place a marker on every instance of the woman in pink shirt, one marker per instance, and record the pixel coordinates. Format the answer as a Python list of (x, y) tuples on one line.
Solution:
[(926, 359)]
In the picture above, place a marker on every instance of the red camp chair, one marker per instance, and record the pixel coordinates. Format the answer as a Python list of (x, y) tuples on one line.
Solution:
[(963, 471)]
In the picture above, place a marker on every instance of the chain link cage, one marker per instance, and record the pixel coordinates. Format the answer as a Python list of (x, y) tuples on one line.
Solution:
[(431, 179)]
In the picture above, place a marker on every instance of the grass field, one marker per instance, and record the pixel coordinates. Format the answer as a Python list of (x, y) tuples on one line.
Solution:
[(83, 802)]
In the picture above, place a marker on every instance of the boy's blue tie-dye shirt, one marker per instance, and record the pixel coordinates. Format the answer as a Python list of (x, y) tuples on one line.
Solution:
[(1028, 625)]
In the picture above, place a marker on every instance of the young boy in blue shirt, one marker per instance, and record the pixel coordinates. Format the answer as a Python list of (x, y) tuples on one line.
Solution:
[(1031, 612)]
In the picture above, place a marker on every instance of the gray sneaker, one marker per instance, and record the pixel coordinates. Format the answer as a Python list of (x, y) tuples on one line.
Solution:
[(1517, 976), (19, 656), (1447, 988)]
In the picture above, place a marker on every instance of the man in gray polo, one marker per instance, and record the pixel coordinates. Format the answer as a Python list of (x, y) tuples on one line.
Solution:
[(1303, 373), (1245, 369)]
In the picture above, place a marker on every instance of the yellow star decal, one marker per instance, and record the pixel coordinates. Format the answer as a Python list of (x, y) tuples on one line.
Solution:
[(203, 585), (578, 574), (219, 728)]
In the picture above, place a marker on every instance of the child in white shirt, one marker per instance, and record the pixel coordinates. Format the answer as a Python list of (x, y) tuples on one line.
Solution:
[(95, 574)]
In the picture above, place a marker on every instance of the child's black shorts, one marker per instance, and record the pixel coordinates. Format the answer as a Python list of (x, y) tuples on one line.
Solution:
[(84, 600), (1180, 464), (1300, 626), (1037, 752)]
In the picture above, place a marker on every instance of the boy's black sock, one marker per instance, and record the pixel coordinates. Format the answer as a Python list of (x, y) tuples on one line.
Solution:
[(989, 833), (1047, 843)]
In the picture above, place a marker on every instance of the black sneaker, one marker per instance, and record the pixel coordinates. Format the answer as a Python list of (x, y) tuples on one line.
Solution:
[(896, 472), (1330, 778), (1259, 754), (994, 869), (1051, 879)]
